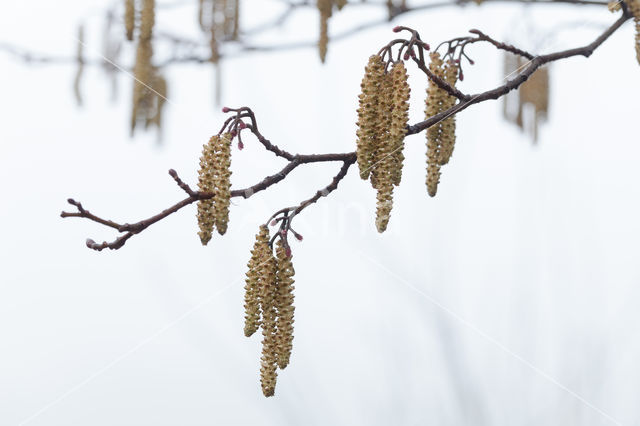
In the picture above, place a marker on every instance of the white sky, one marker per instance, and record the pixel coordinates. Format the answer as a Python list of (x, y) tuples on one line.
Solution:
[(509, 299)]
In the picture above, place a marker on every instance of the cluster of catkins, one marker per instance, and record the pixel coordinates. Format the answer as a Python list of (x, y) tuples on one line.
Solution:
[(149, 87), (325, 7), (634, 8), (441, 137), (268, 303), (214, 178), (221, 19), (383, 115)]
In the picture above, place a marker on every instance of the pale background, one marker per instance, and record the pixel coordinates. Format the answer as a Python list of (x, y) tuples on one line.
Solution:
[(509, 299)]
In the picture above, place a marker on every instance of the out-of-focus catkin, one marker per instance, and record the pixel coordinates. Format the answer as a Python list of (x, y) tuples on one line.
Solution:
[(535, 92), (634, 8), (284, 304), (266, 295), (80, 65), (368, 120), (129, 18), (436, 97), (206, 183), (324, 7), (143, 96), (222, 176)]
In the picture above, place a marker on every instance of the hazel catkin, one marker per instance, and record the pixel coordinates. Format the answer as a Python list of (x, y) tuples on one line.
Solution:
[(435, 102), (206, 184), (129, 18), (324, 7), (222, 176), (266, 295), (252, 286), (448, 126), (400, 117), (368, 120), (634, 8), (284, 303)]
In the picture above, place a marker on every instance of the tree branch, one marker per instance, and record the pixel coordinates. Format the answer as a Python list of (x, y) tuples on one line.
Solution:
[(236, 124)]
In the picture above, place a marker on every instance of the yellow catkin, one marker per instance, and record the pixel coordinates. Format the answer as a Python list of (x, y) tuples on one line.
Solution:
[(160, 89), (400, 118), (129, 18), (252, 286), (535, 91), (80, 65), (435, 99), (368, 122), (143, 72), (236, 19), (324, 7), (266, 295), (214, 31), (448, 126), (284, 303), (383, 170), (222, 176), (634, 8), (206, 183)]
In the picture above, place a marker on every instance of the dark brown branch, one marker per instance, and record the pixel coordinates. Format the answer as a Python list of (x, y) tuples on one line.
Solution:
[(327, 189), (520, 78)]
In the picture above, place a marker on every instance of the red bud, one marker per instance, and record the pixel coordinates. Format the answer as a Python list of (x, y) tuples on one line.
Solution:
[(240, 145), (225, 109), (397, 29)]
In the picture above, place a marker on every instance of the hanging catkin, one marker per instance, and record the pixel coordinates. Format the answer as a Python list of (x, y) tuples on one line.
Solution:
[(206, 183), (368, 120), (448, 126), (222, 176), (80, 65), (400, 118), (129, 18), (252, 287), (535, 92), (284, 303), (143, 96), (634, 8), (324, 7), (266, 296), (435, 101)]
